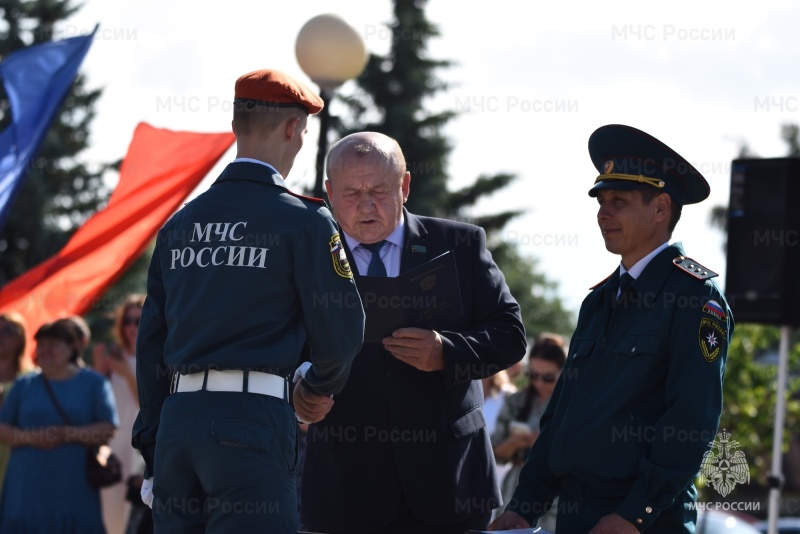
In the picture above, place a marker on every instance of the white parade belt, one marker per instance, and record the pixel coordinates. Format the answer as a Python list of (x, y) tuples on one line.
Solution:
[(233, 381)]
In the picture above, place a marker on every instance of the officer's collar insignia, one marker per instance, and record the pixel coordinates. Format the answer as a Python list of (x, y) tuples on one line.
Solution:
[(608, 166), (712, 337), (713, 308), (419, 248), (315, 200), (600, 283), (340, 262), (688, 265)]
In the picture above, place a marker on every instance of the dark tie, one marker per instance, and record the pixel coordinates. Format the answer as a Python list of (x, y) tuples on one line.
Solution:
[(376, 266), (625, 281)]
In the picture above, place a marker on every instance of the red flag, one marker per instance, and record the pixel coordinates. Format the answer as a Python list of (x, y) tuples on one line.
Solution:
[(161, 169)]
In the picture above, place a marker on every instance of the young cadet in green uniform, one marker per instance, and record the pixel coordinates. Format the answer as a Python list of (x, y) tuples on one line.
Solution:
[(639, 400), (240, 278)]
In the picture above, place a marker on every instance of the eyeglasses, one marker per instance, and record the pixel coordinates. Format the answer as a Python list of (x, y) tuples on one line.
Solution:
[(547, 378), (128, 321)]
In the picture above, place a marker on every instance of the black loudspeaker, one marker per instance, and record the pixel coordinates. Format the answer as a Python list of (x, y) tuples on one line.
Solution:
[(763, 260)]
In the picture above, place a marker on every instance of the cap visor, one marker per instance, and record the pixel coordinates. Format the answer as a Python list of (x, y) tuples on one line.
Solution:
[(618, 185)]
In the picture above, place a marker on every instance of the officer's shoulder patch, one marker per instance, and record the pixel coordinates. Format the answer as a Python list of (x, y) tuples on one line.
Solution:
[(340, 262), (688, 265), (600, 283), (315, 200), (712, 337)]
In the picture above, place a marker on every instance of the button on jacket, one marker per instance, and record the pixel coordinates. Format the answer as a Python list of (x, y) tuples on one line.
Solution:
[(639, 400)]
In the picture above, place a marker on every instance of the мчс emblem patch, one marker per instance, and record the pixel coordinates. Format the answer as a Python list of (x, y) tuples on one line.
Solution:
[(340, 262), (711, 337)]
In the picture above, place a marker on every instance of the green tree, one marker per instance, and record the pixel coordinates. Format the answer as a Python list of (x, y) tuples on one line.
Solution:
[(397, 86), (750, 393), (751, 380), (59, 192)]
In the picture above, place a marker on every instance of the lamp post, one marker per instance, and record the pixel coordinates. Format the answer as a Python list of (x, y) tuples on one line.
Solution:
[(330, 52)]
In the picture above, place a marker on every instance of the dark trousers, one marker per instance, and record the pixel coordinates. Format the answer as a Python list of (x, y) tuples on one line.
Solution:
[(225, 462), (405, 522)]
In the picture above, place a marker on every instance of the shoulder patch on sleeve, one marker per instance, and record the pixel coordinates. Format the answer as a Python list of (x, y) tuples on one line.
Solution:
[(711, 337), (688, 265), (340, 262)]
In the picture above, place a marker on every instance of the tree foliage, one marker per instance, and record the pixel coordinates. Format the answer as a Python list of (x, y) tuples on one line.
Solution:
[(59, 192), (751, 389), (394, 91), (751, 378)]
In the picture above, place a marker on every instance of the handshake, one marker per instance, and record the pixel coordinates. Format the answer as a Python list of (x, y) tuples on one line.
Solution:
[(309, 407)]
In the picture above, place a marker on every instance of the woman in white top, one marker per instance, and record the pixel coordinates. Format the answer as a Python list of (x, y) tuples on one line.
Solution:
[(518, 422), (118, 363)]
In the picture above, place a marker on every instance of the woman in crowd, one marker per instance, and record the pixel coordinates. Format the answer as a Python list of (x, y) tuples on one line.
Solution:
[(495, 390), (46, 488), (118, 363), (13, 362), (518, 422)]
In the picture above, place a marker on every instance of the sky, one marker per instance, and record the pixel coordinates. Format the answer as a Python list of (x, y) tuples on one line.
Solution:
[(531, 81)]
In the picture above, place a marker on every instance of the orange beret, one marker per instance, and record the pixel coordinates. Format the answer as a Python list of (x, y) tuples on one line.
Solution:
[(275, 87)]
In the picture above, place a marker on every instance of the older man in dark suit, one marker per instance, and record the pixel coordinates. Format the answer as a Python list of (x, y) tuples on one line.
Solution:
[(404, 447)]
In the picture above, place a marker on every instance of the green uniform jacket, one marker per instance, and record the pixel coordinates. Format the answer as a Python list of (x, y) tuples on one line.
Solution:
[(240, 278), (638, 402)]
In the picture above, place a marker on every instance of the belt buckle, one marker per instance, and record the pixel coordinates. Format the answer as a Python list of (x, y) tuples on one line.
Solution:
[(173, 385)]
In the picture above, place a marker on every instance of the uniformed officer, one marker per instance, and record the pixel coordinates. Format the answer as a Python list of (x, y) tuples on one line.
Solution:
[(639, 400), (240, 278)]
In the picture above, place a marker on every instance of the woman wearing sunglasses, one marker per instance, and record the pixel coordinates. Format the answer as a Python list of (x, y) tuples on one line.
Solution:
[(118, 363), (518, 422)]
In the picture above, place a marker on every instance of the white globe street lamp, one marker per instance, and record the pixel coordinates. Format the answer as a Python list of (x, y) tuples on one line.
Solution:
[(330, 52)]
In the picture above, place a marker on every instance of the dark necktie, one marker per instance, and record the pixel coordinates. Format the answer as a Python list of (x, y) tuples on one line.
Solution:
[(625, 281), (376, 266)]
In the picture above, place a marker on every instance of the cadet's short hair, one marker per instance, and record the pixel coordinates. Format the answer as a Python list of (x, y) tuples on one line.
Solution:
[(251, 117)]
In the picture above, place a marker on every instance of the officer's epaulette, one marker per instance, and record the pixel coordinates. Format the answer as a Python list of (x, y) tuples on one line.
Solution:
[(315, 200), (688, 265), (600, 283)]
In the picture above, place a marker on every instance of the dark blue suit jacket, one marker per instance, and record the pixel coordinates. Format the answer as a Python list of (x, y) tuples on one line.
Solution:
[(396, 431)]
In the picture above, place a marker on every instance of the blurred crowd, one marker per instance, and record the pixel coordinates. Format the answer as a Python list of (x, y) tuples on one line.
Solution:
[(42, 458), (69, 395)]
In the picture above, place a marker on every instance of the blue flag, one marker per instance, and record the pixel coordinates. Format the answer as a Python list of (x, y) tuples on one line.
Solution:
[(36, 80)]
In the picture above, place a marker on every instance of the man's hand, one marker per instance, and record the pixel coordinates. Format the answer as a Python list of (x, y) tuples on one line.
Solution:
[(310, 407), (417, 347), (614, 524), (147, 491), (524, 441), (508, 521)]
